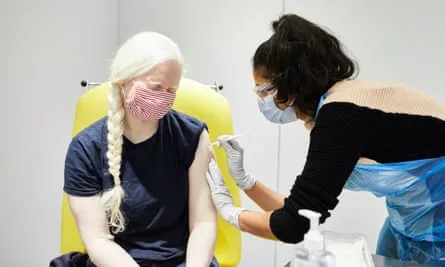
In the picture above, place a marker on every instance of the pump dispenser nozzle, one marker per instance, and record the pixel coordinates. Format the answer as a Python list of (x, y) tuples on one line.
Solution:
[(313, 239)]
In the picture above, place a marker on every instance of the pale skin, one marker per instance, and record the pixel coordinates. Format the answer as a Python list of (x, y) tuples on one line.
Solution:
[(89, 212), (257, 222), (202, 212)]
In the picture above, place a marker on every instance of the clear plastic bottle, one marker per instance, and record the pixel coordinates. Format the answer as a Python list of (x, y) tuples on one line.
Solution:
[(314, 242), (302, 258), (324, 258)]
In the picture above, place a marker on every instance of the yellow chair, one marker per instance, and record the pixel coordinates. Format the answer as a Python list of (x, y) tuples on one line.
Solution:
[(193, 99)]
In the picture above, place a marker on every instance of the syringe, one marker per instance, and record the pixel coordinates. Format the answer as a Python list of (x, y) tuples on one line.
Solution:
[(217, 143)]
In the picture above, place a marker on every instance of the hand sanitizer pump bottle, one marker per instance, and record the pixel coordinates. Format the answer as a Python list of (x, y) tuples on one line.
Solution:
[(314, 241)]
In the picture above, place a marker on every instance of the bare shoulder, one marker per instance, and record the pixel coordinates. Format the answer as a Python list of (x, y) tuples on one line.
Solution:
[(205, 149)]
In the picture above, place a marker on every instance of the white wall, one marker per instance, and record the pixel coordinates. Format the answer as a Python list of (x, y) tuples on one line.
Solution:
[(46, 48)]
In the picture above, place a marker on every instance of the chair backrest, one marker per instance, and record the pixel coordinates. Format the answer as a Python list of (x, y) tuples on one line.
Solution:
[(193, 99)]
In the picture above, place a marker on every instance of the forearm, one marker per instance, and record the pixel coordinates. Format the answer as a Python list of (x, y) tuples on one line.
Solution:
[(201, 244), (265, 197), (106, 253), (256, 223)]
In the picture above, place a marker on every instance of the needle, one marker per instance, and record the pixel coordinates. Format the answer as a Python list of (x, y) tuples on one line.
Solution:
[(217, 143)]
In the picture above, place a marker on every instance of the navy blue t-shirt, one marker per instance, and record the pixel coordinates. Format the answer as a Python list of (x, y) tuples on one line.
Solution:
[(154, 176)]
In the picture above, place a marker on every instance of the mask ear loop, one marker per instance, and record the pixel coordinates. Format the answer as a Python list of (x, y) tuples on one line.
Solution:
[(259, 98), (123, 94), (320, 103), (273, 95), (291, 102)]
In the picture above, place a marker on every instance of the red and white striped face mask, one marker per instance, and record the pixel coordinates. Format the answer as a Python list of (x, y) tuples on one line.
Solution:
[(149, 104)]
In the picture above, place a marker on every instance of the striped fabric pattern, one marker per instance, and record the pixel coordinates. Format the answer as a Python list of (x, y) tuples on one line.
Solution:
[(148, 104)]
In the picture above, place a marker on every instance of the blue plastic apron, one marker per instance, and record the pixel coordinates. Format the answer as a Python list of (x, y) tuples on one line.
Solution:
[(415, 199)]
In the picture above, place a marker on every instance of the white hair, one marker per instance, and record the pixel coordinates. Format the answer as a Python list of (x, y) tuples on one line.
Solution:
[(135, 57)]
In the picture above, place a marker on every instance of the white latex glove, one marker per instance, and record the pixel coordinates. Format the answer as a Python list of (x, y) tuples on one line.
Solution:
[(235, 160), (221, 195)]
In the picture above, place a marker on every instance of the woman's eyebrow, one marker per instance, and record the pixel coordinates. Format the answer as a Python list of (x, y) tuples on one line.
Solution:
[(155, 85)]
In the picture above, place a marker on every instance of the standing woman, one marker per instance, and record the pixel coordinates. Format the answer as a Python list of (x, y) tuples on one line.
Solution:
[(382, 138)]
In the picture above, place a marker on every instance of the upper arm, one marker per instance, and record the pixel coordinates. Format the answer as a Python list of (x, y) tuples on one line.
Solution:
[(201, 206), (83, 186), (80, 176), (337, 142), (89, 215)]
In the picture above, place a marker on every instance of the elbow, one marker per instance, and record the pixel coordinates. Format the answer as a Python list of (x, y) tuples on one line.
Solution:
[(94, 246), (94, 257), (288, 237), (288, 228), (203, 233)]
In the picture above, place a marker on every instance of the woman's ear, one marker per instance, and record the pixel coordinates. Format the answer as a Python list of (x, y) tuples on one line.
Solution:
[(124, 84)]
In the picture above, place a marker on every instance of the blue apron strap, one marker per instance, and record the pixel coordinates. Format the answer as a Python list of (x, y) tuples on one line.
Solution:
[(322, 99)]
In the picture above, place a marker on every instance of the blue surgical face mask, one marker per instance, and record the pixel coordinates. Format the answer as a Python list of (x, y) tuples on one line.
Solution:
[(275, 114)]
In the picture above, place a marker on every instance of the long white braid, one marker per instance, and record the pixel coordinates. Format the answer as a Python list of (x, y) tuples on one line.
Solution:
[(114, 197)]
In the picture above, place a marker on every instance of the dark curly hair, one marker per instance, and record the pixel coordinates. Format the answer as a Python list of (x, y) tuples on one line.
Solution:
[(304, 61), (261, 55)]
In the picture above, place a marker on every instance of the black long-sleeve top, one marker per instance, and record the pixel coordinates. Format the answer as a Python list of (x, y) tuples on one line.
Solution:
[(382, 123)]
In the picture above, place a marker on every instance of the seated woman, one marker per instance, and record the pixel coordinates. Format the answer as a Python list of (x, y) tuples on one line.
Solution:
[(136, 179)]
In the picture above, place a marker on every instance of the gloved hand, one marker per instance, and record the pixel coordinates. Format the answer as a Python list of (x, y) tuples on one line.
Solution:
[(221, 195), (235, 159)]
